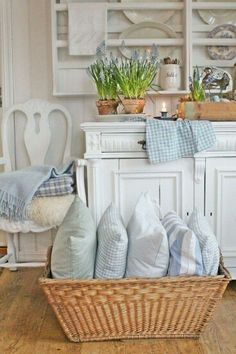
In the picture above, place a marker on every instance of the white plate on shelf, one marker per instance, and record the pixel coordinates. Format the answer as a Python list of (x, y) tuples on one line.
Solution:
[(137, 16), (222, 52), (149, 30), (218, 17)]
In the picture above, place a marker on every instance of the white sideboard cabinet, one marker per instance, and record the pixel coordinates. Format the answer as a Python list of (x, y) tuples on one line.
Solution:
[(118, 171)]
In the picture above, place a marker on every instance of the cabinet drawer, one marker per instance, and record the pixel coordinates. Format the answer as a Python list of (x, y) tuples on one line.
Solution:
[(123, 142)]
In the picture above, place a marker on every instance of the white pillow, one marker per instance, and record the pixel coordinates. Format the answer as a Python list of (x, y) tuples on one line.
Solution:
[(148, 250), (208, 243), (112, 245)]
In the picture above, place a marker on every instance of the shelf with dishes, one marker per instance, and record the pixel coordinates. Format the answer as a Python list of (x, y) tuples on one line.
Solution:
[(179, 28)]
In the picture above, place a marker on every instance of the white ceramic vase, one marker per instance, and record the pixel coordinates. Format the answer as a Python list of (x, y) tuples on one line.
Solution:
[(170, 77)]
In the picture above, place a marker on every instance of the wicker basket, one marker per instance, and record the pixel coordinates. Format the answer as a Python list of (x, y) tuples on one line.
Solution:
[(169, 307)]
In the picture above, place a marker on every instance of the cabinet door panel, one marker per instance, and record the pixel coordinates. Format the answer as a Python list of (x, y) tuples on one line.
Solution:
[(101, 185), (171, 184), (221, 203)]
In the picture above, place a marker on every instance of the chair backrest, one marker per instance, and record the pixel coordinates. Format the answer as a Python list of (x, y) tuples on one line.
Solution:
[(37, 133)]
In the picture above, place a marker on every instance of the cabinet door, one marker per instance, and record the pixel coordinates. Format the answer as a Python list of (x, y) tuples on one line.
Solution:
[(101, 185), (171, 184), (221, 204)]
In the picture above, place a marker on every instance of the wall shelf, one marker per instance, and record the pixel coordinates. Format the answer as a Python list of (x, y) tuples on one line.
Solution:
[(69, 72)]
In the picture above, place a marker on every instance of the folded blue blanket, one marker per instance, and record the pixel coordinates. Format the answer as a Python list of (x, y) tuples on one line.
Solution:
[(17, 188), (169, 140), (61, 185)]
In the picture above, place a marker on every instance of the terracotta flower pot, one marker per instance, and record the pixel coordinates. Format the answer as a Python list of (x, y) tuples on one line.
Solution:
[(133, 106), (107, 107)]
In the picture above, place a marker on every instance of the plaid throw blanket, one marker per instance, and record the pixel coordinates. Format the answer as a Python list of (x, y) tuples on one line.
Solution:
[(62, 185), (169, 140), (17, 188)]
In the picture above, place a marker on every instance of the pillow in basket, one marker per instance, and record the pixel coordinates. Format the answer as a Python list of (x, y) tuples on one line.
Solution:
[(208, 243), (74, 248), (185, 252), (112, 245), (148, 251)]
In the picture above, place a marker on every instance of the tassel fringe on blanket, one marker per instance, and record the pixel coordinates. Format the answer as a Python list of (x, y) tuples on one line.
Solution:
[(12, 207), (17, 188)]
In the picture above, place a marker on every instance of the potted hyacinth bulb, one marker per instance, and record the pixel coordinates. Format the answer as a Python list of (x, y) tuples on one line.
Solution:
[(102, 75), (134, 77), (189, 105)]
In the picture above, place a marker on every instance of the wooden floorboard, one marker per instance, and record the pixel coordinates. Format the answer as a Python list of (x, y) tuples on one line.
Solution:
[(28, 325)]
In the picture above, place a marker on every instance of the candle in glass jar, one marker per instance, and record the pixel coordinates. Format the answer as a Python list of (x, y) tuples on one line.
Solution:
[(163, 109)]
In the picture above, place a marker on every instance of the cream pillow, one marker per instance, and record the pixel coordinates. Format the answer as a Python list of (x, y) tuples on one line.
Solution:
[(148, 251), (49, 211)]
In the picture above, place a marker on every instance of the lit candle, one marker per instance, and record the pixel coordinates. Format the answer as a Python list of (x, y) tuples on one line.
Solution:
[(163, 107), (163, 110)]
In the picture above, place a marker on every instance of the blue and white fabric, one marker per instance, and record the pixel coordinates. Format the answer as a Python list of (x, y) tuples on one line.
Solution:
[(112, 245), (148, 251), (208, 243), (61, 185), (185, 252), (17, 188), (172, 140)]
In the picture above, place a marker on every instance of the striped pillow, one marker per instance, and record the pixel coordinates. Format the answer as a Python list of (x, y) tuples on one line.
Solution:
[(112, 245), (208, 243), (185, 252)]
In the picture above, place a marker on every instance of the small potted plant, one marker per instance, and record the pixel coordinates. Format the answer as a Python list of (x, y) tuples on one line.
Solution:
[(196, 86), (102, 73), (134, 77), (187, 105)]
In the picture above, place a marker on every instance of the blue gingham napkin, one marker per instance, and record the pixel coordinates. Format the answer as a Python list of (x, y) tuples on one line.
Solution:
[(172, 140)]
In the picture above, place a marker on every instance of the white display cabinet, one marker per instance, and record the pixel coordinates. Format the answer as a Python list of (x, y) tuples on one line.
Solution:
[(118, 171)]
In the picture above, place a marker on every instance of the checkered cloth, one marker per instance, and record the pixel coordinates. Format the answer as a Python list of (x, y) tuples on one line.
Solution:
[(169, 140), (62, 185)]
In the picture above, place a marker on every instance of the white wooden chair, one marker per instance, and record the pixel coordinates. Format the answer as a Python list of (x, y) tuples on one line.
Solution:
[(37, 140)]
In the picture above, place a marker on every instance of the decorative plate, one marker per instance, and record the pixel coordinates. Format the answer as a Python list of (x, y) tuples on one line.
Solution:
[(218, 17), (222, 52), (137, 16), (149, 30)]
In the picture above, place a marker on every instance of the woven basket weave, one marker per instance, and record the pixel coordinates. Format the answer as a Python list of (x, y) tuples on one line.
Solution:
[(169, 307)]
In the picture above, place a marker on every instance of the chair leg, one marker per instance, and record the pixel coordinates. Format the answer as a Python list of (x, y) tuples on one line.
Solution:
[(11, 251)]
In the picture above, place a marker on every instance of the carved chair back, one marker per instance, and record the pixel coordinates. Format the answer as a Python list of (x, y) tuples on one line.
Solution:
[(37, 132)]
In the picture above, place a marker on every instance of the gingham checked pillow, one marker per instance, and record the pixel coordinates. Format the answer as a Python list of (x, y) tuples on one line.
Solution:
[(208, 243), (112, 245)]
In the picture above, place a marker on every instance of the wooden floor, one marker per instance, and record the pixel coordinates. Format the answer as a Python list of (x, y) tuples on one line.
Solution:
[(28, 325)]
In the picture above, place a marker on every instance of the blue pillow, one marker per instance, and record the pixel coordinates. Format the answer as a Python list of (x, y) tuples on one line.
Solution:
[(185, 252), (208, 243), (74, 248), (112, 245)]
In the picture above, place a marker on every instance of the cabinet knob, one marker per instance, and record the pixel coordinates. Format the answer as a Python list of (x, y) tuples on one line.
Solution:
[(143, 143)]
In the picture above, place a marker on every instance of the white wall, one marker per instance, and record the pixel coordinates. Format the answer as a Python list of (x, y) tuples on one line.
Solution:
[(33, 67)]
